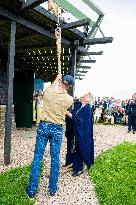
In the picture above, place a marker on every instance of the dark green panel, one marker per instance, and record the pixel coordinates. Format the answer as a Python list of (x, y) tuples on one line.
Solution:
[(23, 98)]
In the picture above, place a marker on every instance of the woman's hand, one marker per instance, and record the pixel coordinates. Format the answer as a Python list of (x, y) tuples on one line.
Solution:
[(69, 114)]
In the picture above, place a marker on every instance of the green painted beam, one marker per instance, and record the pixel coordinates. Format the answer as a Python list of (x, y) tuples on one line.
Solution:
[(73, 10), (93, 6)]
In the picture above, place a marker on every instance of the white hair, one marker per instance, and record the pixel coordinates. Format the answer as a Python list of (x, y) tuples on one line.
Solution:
[(90, 98)]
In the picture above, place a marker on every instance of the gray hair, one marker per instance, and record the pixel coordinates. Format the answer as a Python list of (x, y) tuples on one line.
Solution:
[(90, 98)]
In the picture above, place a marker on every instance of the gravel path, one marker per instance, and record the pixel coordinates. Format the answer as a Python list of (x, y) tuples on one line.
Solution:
[(71, 190)]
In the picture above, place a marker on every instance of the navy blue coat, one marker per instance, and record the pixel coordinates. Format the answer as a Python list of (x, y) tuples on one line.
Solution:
[(83, 129)]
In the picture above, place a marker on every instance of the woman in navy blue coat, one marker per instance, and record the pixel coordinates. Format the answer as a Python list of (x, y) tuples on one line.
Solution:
[(82, 118)]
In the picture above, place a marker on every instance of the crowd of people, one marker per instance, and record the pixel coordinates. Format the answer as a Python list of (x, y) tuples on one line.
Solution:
[(110, 110), (54, 112)]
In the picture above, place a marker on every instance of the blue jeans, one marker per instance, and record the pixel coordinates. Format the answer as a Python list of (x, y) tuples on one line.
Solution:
[(52, 132)]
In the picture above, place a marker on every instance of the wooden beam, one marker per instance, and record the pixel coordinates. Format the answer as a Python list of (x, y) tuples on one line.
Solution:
[(78, 78), (49, 15), (81, 49), (92, 33), (76, 24), (87, 61), (10, 76), (84, 67), (94, 7), (78, 74), (92, 53), (81, 71), (31, 4), (97, 41), (30, 25)]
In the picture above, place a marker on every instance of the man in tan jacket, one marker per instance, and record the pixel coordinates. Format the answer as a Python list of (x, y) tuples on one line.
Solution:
[(55, 104)]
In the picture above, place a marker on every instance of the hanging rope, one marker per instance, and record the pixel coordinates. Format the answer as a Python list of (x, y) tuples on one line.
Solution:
[(58, 40), (56, 10)]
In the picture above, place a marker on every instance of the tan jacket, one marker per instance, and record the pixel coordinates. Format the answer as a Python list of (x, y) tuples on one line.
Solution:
[(55, 104)]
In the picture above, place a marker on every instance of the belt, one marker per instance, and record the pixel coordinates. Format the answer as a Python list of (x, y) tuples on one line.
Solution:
[(41, 121)]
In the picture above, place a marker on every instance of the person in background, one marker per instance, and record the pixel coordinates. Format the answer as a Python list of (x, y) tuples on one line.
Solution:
[(39, 107), (55, 105), (82, 118), (133, 110), (97, 114), (34, 106), (128, 111), (108, 115)]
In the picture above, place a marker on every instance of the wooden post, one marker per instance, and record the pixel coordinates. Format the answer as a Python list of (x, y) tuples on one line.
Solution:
[(10, 76)]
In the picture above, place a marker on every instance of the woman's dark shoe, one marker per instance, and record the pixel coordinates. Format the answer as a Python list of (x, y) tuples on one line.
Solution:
[(67, 166), (51, 193), (133, 132), (75, 174)]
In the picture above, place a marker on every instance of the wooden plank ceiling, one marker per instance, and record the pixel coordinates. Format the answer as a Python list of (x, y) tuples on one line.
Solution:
[(33, 50)]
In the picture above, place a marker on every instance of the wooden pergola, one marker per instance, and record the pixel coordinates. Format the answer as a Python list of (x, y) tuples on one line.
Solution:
[(28, 43)]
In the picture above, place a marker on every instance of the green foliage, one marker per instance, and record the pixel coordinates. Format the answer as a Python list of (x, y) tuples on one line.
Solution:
[(114, 175), (12, 187)]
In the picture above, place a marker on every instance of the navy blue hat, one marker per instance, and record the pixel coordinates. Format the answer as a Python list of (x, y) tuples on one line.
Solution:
[(68, 80)]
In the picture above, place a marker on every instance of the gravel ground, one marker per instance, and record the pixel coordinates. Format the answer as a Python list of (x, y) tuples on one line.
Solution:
[(71, 190)]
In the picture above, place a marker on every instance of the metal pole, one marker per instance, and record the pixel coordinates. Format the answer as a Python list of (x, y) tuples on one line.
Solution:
[(10, 76)]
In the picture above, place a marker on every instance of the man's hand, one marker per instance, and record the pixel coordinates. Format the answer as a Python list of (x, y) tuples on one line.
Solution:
[(59, 77), (57, 81)]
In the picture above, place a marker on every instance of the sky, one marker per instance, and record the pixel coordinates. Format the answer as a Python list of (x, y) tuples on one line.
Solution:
[(114, 73)]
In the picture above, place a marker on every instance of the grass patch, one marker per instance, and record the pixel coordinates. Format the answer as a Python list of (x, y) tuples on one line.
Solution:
[(12, 187), (114, 175)]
